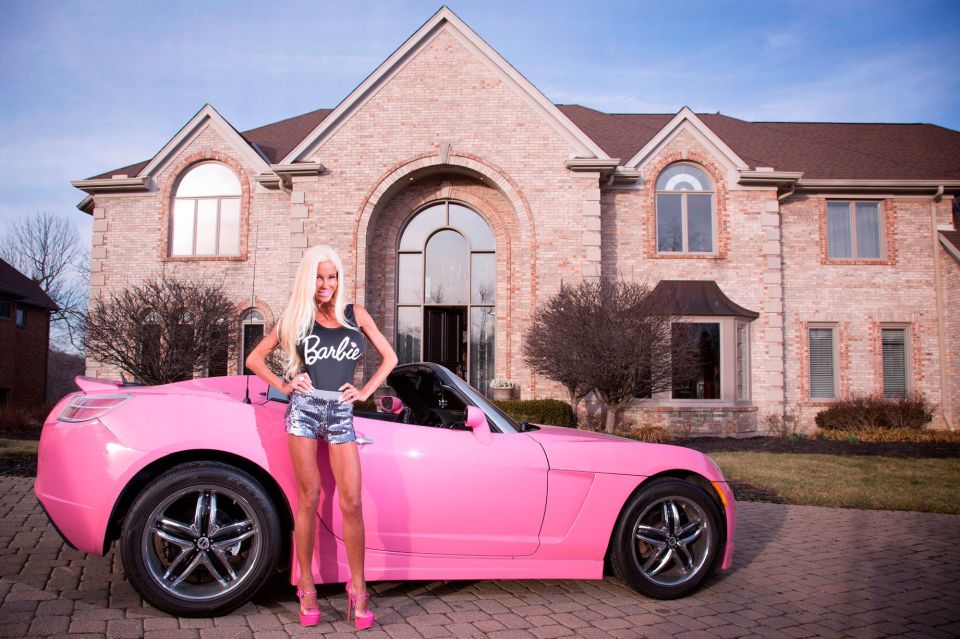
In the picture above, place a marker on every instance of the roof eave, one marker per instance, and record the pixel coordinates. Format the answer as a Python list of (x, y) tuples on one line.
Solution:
[(898, 187)]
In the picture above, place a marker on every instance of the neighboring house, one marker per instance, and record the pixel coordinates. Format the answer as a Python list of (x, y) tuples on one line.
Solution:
[(815, 258), (24, 335)]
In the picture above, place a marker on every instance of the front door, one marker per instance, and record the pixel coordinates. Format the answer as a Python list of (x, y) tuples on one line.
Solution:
[(445, 337)]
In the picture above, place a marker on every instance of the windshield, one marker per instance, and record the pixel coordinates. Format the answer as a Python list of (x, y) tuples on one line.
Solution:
[(504, 422)]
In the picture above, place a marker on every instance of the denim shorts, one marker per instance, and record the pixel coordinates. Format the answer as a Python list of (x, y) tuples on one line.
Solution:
[(320, 415)]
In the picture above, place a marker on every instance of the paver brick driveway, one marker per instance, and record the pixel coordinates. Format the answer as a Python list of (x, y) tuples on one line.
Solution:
[(799, 572)]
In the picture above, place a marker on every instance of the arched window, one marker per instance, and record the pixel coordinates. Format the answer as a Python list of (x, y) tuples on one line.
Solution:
[(446, 291), (205, 218), (685, 218), (251, 332)]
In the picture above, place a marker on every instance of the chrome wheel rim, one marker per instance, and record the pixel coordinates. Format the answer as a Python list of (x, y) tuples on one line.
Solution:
[(672, 540), (202, 542)]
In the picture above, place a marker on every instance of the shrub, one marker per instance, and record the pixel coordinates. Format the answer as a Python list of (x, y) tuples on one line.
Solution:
[(891, 435), (539, 411), (778, 425), (650, 434), (865, 412), (17, 422)]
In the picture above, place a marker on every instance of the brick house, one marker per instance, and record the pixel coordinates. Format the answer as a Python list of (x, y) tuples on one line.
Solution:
[(818, 256), (24, 336)]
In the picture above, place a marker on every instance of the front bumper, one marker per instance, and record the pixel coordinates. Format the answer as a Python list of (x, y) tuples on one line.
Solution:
[(80, 474)]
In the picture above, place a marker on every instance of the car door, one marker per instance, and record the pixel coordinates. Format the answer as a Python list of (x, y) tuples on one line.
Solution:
[(436, 490)]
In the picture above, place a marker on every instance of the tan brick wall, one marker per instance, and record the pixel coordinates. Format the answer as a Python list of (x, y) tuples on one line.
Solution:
[(859, 297)]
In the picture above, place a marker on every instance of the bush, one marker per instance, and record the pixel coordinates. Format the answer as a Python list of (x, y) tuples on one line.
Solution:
[(866, 412), (649, 434), (17, 422), (890, 435), (539, 411)]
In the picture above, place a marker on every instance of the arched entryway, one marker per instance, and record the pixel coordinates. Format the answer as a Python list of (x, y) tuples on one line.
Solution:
[(446, 290)]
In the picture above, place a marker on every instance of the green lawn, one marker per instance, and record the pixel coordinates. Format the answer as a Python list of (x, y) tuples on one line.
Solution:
[(18, 446), (877, 483)]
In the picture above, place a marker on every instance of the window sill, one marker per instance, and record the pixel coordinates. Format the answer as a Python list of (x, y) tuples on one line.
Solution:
[(204, 258), (687, 256), (837, 261)]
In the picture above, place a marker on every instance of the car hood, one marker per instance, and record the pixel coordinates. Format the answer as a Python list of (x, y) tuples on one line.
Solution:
[(586, 451)]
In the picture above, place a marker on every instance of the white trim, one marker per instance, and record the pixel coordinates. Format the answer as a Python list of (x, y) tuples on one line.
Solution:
[(685, 119), (206, 117), (442, 20)]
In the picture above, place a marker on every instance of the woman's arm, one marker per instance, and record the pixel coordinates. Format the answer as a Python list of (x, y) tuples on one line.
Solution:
[(257, 362), (369, 328)]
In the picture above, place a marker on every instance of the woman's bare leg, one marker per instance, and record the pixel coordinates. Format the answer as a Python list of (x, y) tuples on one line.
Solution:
[(303, 454), (345, 463)]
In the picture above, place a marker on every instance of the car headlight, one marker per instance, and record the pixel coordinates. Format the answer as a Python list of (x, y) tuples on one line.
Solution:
[(83, 408)]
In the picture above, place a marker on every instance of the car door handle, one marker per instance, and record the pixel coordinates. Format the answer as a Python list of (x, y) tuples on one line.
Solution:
[(363, 441)]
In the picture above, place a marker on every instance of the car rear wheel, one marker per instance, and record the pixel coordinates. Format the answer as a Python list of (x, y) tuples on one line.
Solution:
[(200, 539), (666, 541)]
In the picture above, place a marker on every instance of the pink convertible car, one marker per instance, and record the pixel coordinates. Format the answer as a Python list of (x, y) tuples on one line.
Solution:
[(196, 484)]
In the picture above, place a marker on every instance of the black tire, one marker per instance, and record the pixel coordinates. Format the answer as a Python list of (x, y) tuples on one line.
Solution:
[(667, 539), (169, 534)]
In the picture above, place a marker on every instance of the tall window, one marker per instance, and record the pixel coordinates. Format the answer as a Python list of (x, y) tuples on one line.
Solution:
[(822, 363), (685, 220), (699, 379), (21, 316), (894, 362), (205, 220), (6, 309), (853, 230), (447, 257), (251, 332)]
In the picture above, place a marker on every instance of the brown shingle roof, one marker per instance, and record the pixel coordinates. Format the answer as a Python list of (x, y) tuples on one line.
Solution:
[(273, 140), (953, 238), (18, 287), (821, 150)]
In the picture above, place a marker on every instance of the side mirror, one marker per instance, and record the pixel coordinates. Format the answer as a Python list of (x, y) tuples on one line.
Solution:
[(475, 418), (391, 404)]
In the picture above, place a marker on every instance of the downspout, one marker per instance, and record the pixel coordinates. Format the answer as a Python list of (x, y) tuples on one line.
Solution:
[(783, 302), (941, 319)]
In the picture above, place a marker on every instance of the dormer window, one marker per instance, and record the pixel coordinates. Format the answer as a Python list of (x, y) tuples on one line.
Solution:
[(685, 219), (206, 212)]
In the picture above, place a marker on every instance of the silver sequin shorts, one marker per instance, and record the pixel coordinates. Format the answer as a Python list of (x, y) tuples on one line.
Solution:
[(320, 415)]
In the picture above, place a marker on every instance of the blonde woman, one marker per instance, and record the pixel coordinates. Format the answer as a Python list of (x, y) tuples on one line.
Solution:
[(323, 337)]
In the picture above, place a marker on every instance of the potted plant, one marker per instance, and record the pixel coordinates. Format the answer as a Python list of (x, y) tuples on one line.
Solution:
[(502, 388)]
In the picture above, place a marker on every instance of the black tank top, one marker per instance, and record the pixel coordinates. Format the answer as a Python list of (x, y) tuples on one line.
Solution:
[(330, 355)]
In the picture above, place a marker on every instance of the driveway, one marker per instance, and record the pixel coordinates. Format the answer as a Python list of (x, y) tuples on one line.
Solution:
[(799, 571)]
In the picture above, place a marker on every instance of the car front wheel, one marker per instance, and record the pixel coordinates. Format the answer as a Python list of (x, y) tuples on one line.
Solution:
[(200, 539), (666, 541)]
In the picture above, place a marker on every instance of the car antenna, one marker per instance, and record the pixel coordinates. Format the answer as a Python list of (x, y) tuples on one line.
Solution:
[(246, 393)]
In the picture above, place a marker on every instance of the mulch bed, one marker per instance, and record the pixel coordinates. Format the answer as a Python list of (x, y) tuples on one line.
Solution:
[(820, 447)]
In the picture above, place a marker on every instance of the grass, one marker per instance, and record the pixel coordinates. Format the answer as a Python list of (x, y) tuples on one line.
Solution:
[(874, 483), (18, 447)]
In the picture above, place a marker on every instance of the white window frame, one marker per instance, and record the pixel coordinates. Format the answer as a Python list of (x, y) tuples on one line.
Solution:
[(741, 369), (906, 359), (219, 199), (684, 227), (728, 357), (852, 216), (833, 360)]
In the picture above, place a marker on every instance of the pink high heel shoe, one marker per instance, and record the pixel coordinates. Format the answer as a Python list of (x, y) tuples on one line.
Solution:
[(362, 620), (308, 616)]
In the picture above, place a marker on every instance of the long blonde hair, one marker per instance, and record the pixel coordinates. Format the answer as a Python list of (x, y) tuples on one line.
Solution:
[(297, 320)]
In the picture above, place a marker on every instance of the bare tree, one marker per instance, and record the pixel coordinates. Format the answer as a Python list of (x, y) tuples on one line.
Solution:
[(163, 330), (46, 248), (610, 337)]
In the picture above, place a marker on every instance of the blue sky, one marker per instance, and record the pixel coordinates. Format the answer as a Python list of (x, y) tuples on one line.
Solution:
[(89, 86)]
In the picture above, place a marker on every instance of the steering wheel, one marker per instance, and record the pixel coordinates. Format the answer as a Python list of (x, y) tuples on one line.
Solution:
[(438, 418)]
